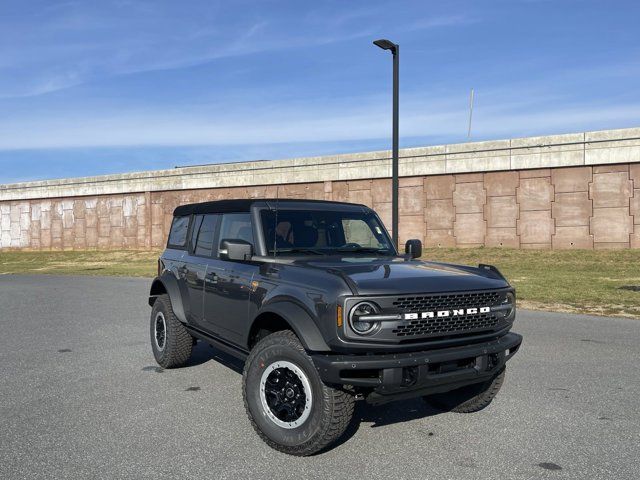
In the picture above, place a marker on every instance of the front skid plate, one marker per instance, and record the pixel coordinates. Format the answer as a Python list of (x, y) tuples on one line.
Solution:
[(404, 375)]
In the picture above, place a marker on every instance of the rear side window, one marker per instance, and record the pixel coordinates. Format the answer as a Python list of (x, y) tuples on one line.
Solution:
[(178, 232), (204, 239), (197, 221)]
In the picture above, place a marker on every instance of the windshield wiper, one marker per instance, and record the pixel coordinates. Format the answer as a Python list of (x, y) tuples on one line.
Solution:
[(299, 250), (363, 249)]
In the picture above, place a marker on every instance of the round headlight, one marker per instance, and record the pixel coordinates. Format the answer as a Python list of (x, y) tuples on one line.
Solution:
[(363, 327)]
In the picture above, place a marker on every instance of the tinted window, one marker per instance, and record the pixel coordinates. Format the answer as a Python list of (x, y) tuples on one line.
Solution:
[(327, 232), (197, 221), (236, 226), (178, 233), (204, 240)]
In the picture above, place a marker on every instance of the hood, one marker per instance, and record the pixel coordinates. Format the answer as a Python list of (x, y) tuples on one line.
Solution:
[(384, 276)]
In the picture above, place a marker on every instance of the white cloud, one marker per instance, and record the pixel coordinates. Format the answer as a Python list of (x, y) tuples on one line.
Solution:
[(75, 42), (442, 21), (366, 118)]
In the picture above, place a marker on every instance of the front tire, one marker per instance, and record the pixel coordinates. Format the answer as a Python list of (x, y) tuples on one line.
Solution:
[(170, 341), (469, 399), (287, 403)]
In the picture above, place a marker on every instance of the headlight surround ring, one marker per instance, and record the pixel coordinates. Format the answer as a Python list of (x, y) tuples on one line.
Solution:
[(363, 327), (510, 300)]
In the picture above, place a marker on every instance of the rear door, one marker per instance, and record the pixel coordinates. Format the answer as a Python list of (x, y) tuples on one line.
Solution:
[(199, 253)]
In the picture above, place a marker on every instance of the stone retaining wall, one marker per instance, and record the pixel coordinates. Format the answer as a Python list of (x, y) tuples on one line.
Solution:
[(484, 193)]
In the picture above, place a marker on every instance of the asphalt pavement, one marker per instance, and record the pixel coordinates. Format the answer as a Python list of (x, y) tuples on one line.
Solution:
[(81, 397)]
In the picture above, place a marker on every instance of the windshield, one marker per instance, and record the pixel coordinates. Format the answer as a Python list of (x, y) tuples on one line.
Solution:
[(319, 232)]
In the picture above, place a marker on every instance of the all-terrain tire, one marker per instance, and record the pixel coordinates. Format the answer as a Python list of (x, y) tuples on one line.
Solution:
[(331, 409), (469, 399), (174, 349)]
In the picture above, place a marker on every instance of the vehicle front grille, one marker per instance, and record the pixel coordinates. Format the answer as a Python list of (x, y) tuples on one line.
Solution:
[(447, 302), (447, 325)]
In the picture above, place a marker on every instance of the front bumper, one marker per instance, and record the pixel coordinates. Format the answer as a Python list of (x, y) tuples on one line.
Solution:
[(395, 376)]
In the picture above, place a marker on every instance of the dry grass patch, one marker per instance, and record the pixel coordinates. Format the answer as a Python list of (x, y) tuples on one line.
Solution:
[(120, 262), (600, 282)]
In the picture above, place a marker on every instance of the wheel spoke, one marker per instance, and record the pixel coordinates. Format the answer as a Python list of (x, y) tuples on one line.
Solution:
[(286, 394), (160, 330)]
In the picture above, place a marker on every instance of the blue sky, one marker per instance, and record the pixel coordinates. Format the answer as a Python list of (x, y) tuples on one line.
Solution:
[(93, 87)]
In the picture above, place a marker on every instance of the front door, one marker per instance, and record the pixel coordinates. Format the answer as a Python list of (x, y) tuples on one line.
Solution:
[(228, 284)]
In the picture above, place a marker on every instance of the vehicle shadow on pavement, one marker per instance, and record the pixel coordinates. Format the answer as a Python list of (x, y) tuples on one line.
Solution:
[(383, 415), (203, 353), (376, 416), (395, 412)]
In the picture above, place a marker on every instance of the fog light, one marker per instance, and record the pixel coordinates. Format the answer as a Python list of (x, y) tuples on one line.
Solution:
[(363, 327)]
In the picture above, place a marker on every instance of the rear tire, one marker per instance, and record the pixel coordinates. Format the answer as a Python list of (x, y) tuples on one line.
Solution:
[(287, 403), (170, 341), (469, 399)]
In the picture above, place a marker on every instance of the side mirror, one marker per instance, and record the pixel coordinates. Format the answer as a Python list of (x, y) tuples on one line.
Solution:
[(413, 248), (235, 250)]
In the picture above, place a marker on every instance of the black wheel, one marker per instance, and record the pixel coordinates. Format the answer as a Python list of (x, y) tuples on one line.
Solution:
[(170, 341), (469, 399), (288, 405)]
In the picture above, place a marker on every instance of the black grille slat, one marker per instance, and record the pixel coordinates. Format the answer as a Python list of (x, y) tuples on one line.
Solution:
[(449, 325)]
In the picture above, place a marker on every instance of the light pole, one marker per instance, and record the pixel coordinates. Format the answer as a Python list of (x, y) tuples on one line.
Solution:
[(395, 50)]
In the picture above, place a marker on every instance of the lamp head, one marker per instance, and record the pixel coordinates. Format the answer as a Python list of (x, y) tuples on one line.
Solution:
[(386, 45)]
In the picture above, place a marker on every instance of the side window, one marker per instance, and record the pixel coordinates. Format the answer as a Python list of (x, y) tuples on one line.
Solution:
[(178, 232), (236, 226), (204, 238), (197, 221)]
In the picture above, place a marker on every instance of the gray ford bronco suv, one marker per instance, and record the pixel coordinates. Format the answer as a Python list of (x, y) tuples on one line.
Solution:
[(316, 300)]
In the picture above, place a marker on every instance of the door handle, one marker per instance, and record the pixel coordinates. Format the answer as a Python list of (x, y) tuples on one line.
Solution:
[(212, 277)]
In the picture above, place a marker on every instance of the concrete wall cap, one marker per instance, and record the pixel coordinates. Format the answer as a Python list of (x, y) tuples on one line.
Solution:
[(574, 149)]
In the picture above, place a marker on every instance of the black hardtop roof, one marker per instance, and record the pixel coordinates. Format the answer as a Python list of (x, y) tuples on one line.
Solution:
[(244, 205)]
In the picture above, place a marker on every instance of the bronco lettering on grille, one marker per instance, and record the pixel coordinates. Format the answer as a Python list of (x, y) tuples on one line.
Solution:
[(447, 313)]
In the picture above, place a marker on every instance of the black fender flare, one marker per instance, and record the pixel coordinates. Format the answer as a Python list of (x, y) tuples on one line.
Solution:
[(169, 284), (301, 322)]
